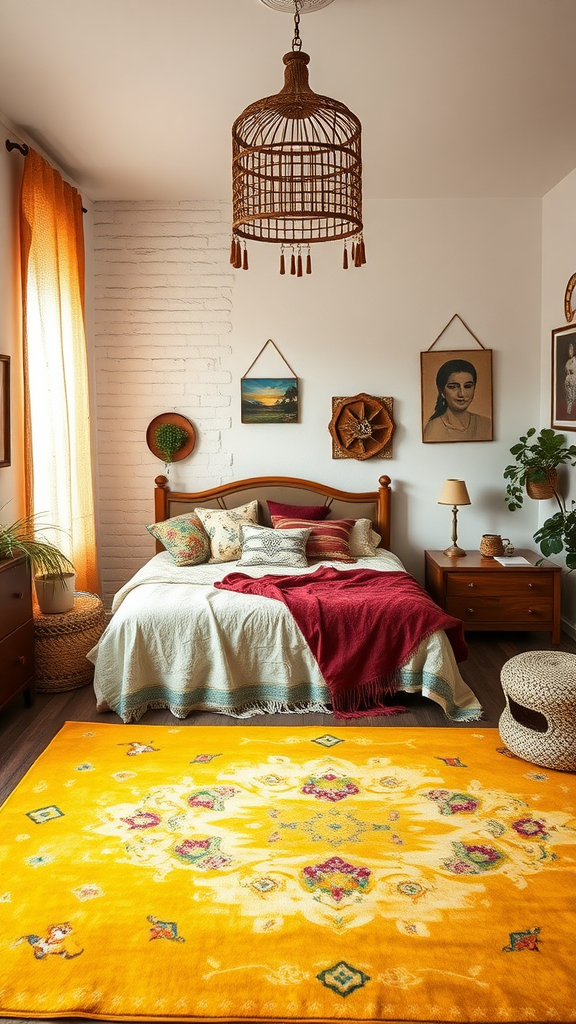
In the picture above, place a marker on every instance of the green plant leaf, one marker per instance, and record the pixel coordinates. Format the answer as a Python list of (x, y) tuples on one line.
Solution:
[(170, 438), (22, 537)]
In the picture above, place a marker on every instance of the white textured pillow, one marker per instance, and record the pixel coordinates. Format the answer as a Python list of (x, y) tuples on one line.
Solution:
[(363, 539), (223, 528), (263, 546)]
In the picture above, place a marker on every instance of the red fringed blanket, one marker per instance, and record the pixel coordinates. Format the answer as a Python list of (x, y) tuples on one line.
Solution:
[(361, 626)]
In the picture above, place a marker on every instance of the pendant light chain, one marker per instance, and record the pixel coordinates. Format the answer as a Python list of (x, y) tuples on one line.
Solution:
[(297, 42)]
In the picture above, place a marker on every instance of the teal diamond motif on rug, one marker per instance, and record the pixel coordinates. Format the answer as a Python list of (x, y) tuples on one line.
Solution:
[(327, 740), (343, 979)]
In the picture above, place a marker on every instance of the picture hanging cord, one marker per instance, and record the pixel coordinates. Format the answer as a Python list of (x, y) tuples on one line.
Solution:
[(269, 342), (456, 315)]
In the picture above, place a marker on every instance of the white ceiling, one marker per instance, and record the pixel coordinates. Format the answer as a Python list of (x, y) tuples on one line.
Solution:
[(135, 98)]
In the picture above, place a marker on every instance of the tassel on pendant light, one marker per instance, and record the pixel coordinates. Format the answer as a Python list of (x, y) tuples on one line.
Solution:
[(304, 150), (282, 261), (245, 258), (293, 263), (299, 263), (308, 262), (345, 257)]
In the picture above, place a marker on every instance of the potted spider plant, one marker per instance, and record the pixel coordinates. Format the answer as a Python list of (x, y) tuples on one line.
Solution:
[(54, 573), (540, 457)]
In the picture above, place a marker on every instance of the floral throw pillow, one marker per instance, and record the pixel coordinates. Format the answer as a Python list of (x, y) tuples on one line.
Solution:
[(223, 528), (184, 538), (327, 540), (263, 546)]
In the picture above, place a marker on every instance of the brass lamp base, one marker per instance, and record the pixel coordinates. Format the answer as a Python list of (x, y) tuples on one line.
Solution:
[(455, 552)]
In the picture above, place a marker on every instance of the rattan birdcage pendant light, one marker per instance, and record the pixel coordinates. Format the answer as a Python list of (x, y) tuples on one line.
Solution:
[(297, 168)]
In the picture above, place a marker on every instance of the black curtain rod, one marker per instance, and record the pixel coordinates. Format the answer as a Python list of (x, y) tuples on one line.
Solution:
[(23, 148), (16, 145)]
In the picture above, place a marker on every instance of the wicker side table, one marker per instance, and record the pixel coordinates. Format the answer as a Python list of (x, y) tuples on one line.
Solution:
[(545, 682), (62, 642)]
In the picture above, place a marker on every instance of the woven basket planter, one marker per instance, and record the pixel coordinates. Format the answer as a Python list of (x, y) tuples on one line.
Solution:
[(63, 641), (541, 489)]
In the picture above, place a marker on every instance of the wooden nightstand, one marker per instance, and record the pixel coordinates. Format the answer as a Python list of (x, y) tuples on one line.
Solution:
[(487, 595), (17, 668)]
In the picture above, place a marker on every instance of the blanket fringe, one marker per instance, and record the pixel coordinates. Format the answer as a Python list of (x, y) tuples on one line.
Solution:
[(249, 710), (368, 699)]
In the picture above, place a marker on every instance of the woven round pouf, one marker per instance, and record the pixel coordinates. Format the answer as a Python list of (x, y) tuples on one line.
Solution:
[(62, 642), (544, 682)]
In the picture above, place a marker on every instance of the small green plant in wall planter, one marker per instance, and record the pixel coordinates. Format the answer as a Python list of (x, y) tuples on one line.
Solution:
[(170, 439), (537, 458)]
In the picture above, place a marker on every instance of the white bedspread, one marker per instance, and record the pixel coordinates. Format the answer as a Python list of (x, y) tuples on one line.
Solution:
[(177, 642)]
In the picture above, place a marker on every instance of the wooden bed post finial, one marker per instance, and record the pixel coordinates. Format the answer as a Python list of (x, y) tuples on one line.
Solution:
[(384, 510), (160, 503)]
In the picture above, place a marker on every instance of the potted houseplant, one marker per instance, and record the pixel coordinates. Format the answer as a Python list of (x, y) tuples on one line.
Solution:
[(536, 466), (54, 573), (538, 457)]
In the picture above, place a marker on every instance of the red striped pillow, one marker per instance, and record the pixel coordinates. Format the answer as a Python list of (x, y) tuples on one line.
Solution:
[(329, 539)]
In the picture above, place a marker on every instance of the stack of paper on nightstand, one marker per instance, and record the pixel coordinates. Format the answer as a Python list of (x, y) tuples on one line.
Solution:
[(512, 560)]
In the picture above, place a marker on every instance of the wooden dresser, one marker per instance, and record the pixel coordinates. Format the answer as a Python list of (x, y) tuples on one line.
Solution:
[(490, 596), (17, 667)]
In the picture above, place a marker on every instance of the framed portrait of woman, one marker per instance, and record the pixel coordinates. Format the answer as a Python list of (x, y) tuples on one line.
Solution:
[(564, 378), (456, 395)]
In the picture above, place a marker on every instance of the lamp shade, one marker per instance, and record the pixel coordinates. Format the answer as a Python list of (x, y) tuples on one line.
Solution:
[(454, 493)]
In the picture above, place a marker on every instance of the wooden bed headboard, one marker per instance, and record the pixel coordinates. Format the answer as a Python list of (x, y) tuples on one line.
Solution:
[(373, 505)]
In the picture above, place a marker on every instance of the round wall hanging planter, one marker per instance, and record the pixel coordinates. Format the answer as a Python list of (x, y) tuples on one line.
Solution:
[(170, 437), (361, 427)]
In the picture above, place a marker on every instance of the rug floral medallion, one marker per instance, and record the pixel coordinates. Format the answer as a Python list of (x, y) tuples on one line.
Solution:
[(253, 874)]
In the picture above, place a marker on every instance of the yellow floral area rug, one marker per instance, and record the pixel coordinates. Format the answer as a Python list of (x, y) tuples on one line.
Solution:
[(233, 873)]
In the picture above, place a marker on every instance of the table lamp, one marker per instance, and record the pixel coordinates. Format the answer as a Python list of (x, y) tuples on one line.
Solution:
[(454, 493)]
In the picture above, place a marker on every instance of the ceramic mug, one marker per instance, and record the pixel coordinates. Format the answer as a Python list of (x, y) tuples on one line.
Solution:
[(493, 544)]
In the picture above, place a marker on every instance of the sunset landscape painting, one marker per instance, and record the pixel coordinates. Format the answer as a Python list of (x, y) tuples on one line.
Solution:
[(269, 399)]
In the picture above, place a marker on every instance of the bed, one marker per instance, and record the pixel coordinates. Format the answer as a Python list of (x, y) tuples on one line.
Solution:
[(177, 640)]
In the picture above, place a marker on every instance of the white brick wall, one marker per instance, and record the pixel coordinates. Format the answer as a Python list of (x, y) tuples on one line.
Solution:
[(162, 319)]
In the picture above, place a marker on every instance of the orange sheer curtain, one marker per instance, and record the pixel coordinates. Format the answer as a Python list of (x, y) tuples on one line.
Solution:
[(58, 457)]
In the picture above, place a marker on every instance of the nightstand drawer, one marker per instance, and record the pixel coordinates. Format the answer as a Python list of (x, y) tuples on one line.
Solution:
[(16, 660), (505, 609), (15, 599), (516, 584)]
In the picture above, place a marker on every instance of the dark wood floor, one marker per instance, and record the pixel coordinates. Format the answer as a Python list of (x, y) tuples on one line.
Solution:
[(25, 732)]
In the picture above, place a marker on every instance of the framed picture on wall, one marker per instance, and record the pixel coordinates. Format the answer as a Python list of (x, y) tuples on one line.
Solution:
[(269, 399), (456, 395), (564, 378), (4, 410)]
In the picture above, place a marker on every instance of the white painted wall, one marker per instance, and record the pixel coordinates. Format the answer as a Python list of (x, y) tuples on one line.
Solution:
[(176, 328), (163, 301), (558, 265)]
